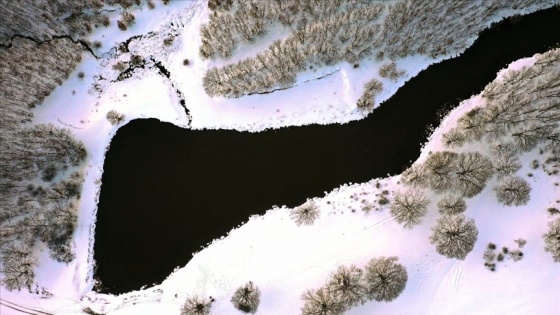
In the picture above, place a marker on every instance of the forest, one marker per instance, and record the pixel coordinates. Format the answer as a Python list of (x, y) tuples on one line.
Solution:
[(325, 33), (41, 43)]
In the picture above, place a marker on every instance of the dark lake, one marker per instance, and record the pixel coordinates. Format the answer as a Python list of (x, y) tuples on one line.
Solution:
[(167, 191)]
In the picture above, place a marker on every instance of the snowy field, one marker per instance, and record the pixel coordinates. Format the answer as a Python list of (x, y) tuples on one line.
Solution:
[(283, 259)]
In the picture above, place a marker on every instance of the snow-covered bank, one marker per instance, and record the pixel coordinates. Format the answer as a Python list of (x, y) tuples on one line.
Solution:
[(345, 235), (308, 254)]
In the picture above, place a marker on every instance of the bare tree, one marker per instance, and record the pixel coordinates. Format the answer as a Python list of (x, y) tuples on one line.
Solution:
[(409, 207), (552, 239), (347, 286), (513, 190), (17, 265), (321, 302), (114, 117), (385, 278), (454, 236), (451, 204), (247, 298), (305, 214), (506, 165), (195, 305)]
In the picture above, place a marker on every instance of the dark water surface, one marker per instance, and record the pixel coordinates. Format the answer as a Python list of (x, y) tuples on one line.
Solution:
[(167, 191)]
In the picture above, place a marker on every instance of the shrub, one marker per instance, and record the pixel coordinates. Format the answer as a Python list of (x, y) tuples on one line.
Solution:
[(119, 66), (553, 211), (61, 251), (465, 173), (489, 255), (383, 201), (385, 279), (247, 298), (114, 117), (136, 60), (168, 41), (490, 266), (389, 70), (521, 242), (409, 207), (305, 214), (321, 302), (552, 239), (81, 75), (49, 172), (513, 190), (122, 25), (186, 62), (105, 21), (500, 257), (195, 305), (347, 286), (127, 20), (516, 255), (454, 236), (451, 204)]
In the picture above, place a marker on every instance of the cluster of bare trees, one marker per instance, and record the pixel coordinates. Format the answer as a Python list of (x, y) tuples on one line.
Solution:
[(114, 117), (371, 89), (389, 70), (440, 27), (552, 239), (522, 108), (445, 171), (383, 279), (521, 112), (454, 236), (492, 256), (126, 21), (327, 32), (38, 190), (195, 305), (409, 207), (40, 19), (247, 298)]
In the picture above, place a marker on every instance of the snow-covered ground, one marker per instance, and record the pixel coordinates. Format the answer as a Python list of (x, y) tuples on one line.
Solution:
[(281, 258)]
